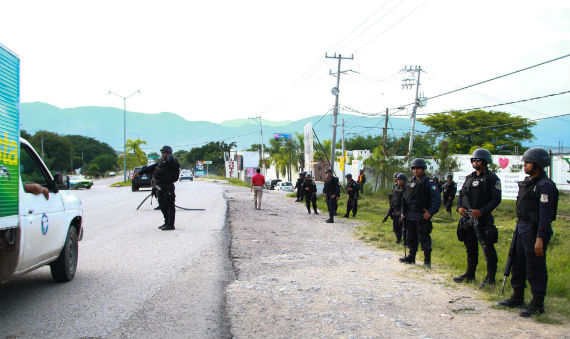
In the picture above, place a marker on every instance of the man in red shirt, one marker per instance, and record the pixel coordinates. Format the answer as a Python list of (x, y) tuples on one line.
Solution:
[(257, 182)]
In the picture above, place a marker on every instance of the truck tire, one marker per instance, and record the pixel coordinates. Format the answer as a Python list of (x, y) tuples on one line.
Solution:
[(134, 188), (63, 269)]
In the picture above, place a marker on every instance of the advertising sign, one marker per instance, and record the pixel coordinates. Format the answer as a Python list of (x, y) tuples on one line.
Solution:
[(250, 171), (200, 168), (231, 169), (9, 136)]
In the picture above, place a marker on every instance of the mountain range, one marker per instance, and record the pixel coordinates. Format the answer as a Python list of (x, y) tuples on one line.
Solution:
[(106, 124)]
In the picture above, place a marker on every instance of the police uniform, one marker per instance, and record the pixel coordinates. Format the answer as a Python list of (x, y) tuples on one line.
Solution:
[(449, 189), (420, 194), (396, 206), (353, 194), (298, 185), (332, 187), (310, 194), (166, 173), (481, 192)]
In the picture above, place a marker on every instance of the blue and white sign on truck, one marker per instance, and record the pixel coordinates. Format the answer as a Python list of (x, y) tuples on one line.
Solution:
[(35, 229)]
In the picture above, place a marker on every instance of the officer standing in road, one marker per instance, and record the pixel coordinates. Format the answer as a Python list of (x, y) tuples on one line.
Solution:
[(331, 191), (298, 184), (421, 202), (479, 196), (449, 189), (309, 189), (396, 205), (352, 189), (537, 204), (166, 173)]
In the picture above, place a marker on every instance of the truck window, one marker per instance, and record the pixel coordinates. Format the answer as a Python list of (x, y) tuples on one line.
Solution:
[(29, 169)]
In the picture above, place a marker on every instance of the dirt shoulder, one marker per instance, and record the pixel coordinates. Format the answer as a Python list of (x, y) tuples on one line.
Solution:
[(299, 277)]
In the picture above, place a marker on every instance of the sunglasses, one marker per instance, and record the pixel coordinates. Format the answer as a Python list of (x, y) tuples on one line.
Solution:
[(476, 160)]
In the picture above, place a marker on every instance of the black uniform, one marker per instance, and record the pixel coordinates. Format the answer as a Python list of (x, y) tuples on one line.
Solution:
[(166, 173), (537, 202), (481, 192), (353, 195), (420, 194), (396, 206), (310, 194), (298, 184), (449, 189), (332, 187)]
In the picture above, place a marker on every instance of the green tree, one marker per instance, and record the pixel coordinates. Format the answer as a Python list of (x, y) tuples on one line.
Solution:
[(57, 150), (103, 163), (469, 130), (214, 151)]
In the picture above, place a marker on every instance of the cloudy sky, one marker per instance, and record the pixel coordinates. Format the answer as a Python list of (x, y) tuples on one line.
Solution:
[(223, 60)]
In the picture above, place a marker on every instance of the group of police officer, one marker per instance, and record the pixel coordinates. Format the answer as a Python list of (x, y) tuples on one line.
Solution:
[(414, 201)]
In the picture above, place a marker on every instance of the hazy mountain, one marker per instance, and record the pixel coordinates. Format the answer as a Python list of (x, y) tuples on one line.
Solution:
[(106, 124)]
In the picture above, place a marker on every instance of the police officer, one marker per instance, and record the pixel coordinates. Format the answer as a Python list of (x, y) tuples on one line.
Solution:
[(449, 189), (352, 189), (479, 196), (396, 205), (309, 189), (331, 191), (166, 173), (421, 201), (537, 203), (436, 179), (298, 184)]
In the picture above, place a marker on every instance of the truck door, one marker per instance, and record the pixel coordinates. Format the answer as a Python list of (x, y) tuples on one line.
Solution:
[(42, 221)]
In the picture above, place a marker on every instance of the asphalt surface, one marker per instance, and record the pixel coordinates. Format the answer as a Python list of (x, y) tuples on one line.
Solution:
[(133, 280)]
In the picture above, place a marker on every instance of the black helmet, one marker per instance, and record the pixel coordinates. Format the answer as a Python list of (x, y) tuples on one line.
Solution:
[(349, 176), (402, 176), (436, 178), (166, 149), (419, 162), (449, 176), (537, 155), (329, 171), (302, 174), (481, 153), (308, 175), (396, 175)]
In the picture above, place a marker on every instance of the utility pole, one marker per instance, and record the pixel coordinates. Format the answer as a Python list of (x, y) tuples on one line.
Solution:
[(385, 132), (343, 158), (409, 83), (262, 148), (335, 92), (43, 147)]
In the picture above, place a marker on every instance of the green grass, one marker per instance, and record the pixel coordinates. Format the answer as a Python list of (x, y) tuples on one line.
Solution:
[(449, 255), (231, 181), (121, 183)]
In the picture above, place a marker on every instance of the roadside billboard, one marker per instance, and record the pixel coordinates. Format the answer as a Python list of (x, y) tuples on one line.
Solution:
[(9, 136)]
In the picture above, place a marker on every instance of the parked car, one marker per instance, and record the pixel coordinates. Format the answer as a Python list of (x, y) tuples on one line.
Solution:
[(270, 184), (186, 175), (284, 186), (112, 174), (79, 181), (143, 180)]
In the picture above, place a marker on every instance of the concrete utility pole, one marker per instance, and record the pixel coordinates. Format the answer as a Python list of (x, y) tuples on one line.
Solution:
[(409, 83), (343, 158), (262, 148), (335, 92), (385, 132)]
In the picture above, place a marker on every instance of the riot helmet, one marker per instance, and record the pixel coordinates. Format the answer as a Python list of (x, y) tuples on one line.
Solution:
[(396, 175), (483, 154), (418, 163), (402, 176), (435, 178), (449, 176), (538, 156), (166, 149), (349, 176)]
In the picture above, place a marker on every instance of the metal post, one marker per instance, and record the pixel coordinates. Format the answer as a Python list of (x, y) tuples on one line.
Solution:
[(416, 103), (124, 131), (342, 155), (333, 146)]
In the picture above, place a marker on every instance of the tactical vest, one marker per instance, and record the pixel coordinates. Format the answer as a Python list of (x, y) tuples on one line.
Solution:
[(528, 200), (396, 198), (477, 190), (418, 189), (165, 175)]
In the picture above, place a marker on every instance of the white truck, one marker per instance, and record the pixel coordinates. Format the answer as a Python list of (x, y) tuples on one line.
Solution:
[(34, 231)]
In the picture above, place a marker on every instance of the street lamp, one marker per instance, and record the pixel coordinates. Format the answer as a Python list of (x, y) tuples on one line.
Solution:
[(125, 130)]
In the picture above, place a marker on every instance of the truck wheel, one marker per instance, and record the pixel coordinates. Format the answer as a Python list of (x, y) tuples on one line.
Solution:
[(63, 269), (134, 188)]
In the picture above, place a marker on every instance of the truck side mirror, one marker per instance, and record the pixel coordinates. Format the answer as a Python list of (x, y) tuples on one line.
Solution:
[(61, 182)]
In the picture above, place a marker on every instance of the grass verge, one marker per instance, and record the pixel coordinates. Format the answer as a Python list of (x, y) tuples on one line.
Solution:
[(231, 181), (121, 183), (449, 255)]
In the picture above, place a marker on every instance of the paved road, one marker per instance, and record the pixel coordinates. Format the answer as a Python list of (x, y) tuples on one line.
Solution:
[(133, 280)]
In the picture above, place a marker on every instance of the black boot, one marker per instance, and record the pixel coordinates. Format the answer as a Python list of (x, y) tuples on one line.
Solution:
[(427, 259), (516, 300), (535, 307), (490, 278), (345, 216), (410, 259), (316, 212), (464, 277), (309, 211)]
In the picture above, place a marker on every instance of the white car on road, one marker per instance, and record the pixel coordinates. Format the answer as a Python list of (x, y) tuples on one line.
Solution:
[(284, 186)]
